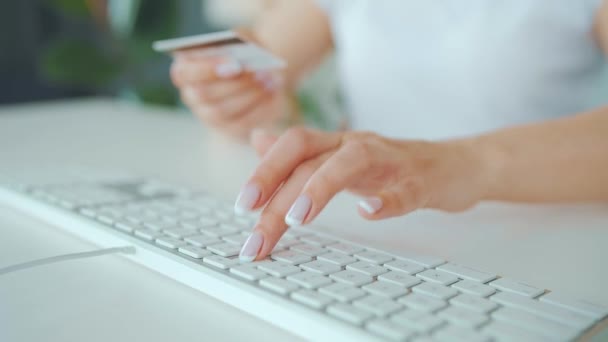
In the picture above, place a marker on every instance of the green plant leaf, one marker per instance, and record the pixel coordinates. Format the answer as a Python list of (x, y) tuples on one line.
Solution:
[(76, 8), (78, 62), (157, 94)]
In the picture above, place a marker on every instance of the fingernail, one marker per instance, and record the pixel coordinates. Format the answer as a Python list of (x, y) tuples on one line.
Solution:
[(269, 80), (371, 205), (228, 69), (262, 76), (247, 198), (298, 211), (251, 247)]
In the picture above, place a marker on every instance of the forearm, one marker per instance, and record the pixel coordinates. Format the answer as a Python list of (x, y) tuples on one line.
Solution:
[(299, 32), (558, 160)]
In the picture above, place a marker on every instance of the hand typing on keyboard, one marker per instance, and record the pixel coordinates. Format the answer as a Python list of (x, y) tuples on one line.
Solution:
[(303, 169)]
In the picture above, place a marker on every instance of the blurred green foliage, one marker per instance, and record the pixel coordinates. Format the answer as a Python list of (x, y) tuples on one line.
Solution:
[(118, 58)]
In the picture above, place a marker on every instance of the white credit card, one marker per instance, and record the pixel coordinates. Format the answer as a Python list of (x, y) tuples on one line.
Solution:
[(224, 44)]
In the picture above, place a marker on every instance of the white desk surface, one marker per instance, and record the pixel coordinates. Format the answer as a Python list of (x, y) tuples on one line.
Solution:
[(559, 247)]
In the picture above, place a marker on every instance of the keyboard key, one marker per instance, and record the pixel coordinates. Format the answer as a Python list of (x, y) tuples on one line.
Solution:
[(160, 225), (349, 313), (389, 330), (279, 269), (517, 287), (286, 243), (88, 212), (308, 249), (194, 252), (353, 278), (404, 266), (238, 239), (463, 317), (422, 302), (424, 260), (345, 248), (385, 289), (141, 218), (502, 331), (181, 233), (417, 320), (220, 262), (342, 292), (373, 257), (127, 226), (543, 309), (437, 277), (435, 290), (107, 219), (312, 298), (169, 242), (309, 280), (337, 258), (291, 257), (379, 306), (466, 273), (317, 240), (202, 240), (366, 268), (225, 249), (218, 231), (592, 310), (474, 303), (535, 323), (147, 234), (279, 285), (321, 267), (399, 278), (459, 334), (248, 272), (292, 233), (474, 288), (198, 223)]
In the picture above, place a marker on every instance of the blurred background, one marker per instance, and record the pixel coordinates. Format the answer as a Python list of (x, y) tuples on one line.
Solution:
[(55, 49)]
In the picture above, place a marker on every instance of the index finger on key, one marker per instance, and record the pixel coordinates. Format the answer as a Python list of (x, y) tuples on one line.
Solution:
[(291, 149)]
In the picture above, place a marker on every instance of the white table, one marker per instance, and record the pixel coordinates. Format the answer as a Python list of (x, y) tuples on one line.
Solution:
[(560, 247)]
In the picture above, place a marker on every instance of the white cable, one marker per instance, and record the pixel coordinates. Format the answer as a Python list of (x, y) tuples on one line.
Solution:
[(66, 257)]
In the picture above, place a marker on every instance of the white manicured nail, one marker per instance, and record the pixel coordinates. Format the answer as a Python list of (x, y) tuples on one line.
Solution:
[(269, 80), (251, 247), (371, 205), (247, 198), (298, 211), (228, 69)]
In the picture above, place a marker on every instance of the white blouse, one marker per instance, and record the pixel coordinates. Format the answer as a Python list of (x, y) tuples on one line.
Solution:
[(435, 69)]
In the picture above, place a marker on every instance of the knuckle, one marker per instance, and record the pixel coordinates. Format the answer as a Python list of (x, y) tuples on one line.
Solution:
[(362, 149), (306, 169), (298, 136)]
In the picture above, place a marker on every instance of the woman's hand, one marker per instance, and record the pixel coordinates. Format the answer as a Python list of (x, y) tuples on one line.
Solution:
[(303, 169), (225, 96)]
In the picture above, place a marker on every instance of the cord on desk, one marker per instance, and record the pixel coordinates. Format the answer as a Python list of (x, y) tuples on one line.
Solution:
[(66, 257)]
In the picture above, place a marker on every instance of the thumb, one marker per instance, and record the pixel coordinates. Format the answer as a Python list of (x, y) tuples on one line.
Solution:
[(262, 141)]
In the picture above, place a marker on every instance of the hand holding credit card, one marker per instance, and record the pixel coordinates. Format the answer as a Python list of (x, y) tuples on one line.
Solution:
[(229, 82), (224, 44)]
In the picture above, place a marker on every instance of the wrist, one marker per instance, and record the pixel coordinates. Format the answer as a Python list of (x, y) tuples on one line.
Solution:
[(491, 159)]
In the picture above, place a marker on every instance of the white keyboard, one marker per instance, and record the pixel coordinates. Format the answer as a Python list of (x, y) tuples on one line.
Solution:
[(314, 285)]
